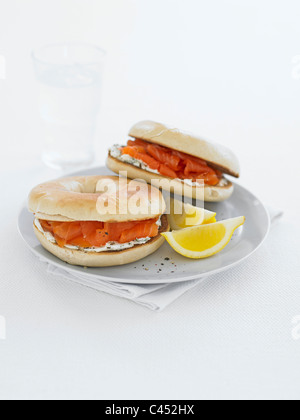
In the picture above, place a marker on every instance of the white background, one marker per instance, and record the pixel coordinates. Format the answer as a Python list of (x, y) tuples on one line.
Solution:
[(220, 68)]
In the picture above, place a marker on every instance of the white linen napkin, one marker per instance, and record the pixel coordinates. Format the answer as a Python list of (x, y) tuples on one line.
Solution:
[(153, 297)]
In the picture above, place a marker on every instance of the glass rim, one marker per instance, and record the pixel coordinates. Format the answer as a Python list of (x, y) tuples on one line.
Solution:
[(34, 53)]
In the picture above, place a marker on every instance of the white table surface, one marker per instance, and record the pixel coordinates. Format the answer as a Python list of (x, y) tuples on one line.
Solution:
[(223, 70)]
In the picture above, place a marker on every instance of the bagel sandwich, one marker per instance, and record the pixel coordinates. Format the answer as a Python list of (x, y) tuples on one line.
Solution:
[(98, 221), (156, 153)]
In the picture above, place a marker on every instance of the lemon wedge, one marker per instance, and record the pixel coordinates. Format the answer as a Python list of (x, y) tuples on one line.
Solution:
[(183, 215), (203, 241)]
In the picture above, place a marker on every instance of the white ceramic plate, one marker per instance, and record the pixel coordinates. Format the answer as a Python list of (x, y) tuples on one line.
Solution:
[(166, 266)]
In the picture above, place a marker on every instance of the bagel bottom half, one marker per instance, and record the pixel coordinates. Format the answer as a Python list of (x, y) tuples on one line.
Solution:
[(107, 258), (214, 194)]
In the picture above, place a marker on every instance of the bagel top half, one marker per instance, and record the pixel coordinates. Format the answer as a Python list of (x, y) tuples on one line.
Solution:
[(216, 155), (86, 199)]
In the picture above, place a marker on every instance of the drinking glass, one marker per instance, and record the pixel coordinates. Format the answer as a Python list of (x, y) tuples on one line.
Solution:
[(70, 80)]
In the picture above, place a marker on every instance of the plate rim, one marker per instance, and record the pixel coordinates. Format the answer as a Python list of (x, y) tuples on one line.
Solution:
[(182, 279)]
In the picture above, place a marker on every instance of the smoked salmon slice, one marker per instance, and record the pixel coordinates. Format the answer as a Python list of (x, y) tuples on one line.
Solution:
[(133, 151), (142, 230), (98, 234), (171, 163), (115, 230), (196, 167), (138, 143), (81, 242), (88, 228), (67, 231), (164, 156), (46, 225), (152, 163), (140, 153), (166, 171), (130, 151)]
